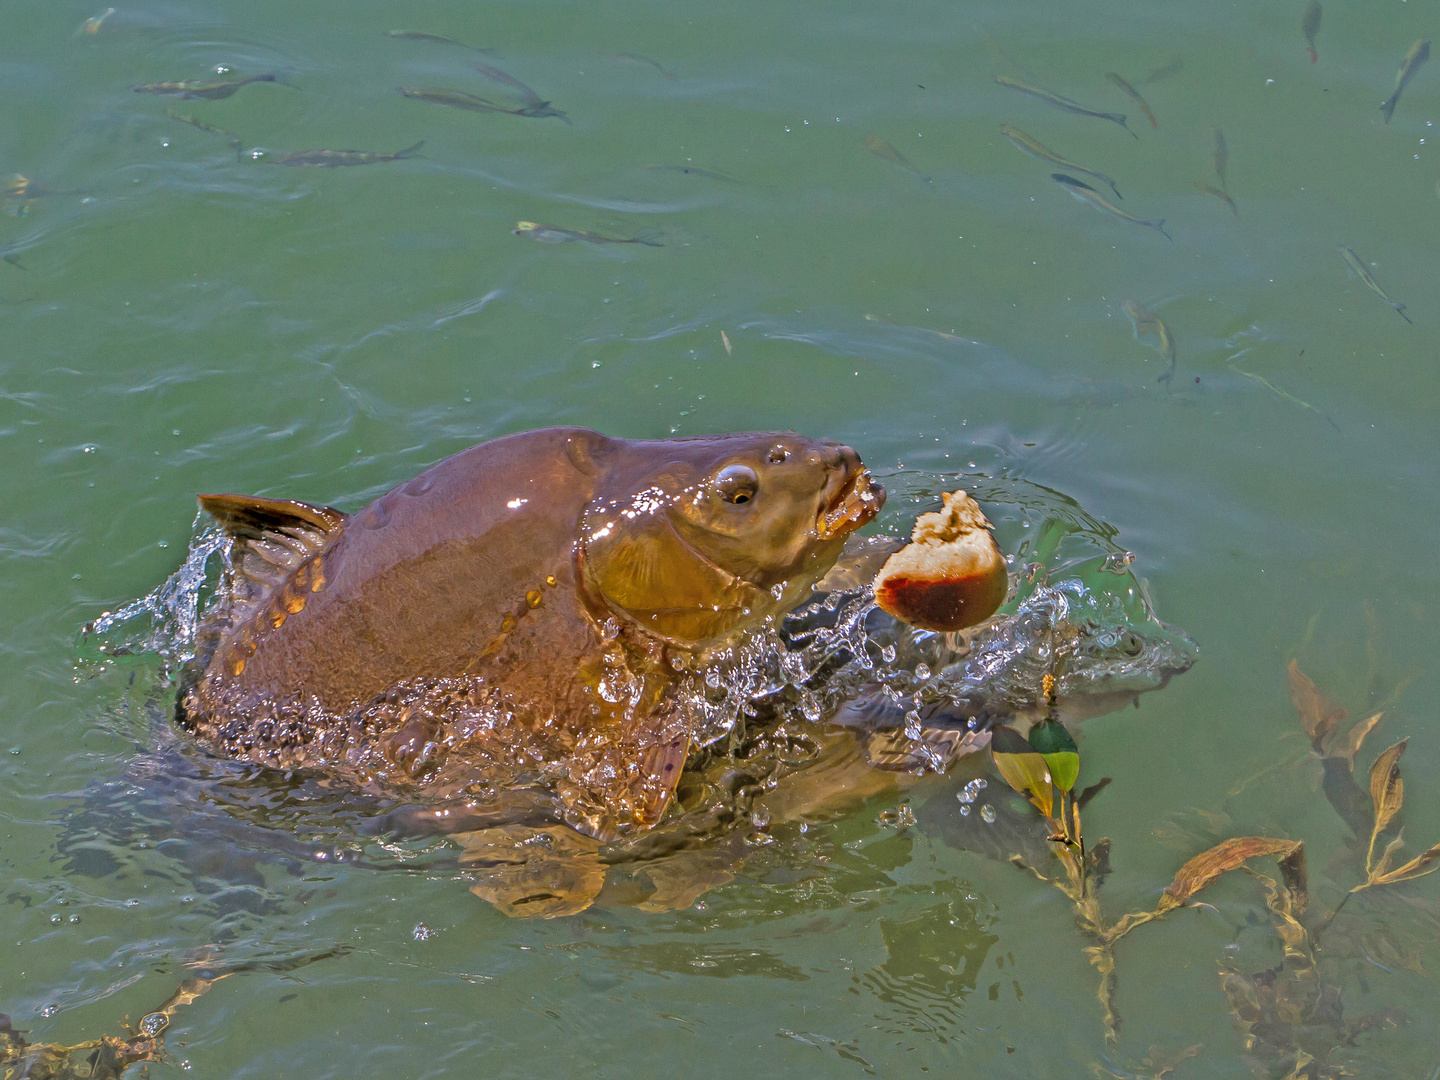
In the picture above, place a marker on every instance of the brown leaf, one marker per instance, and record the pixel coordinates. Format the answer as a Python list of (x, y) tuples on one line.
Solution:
[(1318, 714), (1209, 865), (1387, 790), (1348, 745), (1416, 867)]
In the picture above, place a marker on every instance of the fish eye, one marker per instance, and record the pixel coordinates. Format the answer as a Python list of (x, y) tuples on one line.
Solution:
[(1131, 645), (737, 484), (778, 454)]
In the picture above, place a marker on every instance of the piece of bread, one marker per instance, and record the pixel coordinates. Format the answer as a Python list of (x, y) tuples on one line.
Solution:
[(950, 576)]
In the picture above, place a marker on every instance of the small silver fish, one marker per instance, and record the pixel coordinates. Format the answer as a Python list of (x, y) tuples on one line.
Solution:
[(192, 89), (533, 105), (552, 234), (1085, 193), (1353, 261), (331, 159), (1035, 148), (1052, 98), (1210, 189), (1147, 322), (1418, 54), (883, 150), (1310, 26), (425, 35), (1134, 95), (454, 99)]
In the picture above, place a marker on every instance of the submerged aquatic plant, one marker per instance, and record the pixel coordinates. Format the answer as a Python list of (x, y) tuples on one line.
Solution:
[(1291, 1017)]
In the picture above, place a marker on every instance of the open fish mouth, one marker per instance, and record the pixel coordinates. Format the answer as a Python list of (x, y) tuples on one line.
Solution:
[(857, 504)]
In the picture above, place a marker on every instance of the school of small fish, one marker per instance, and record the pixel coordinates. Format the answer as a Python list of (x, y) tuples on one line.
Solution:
[(1147, 322)]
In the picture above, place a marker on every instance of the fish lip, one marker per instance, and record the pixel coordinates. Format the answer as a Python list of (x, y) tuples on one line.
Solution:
[(855, 505)]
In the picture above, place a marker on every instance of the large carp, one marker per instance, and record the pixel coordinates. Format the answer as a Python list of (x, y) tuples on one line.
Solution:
[(507, 627)]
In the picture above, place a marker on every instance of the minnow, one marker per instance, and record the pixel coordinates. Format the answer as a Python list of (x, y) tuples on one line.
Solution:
[(196, 122), (1037, 149), (1062, 102), (1164, 71), (1221, 155), (691, 170), (1210, 189), (330, 159), (636, 58), (1353, 261), (534, 106), (454, 99), (191, 89), (883, 150), (1134, 95), (1284, 394), (1147, 322), (1418, 54), (551, 234), (1310, 26), (1085, 193), (425, 35)]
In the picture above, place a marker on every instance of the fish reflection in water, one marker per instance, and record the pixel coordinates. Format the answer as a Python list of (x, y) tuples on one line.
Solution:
[(552, 234), (330, 159)]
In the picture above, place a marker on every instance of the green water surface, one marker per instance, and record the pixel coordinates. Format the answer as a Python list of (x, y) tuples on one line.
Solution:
[(182, 321)]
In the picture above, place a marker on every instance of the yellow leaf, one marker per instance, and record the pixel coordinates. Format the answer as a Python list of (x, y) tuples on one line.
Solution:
[(1348, 745), (1318, 714), (1387, 790), (1209, 865), (1416, 867)]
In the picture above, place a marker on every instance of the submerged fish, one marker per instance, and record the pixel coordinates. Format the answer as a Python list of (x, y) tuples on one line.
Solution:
[(507, 629), (1164, 71), (330, 159), (1035, 148), (1418, 54), (196, 122), (1211, 189), (209, 91), (1147, 322), (1310, 26), (454, 99), (1134, 95), (645, 61), (1062, 102), (1353, 261), (1284, 394), (533, 105), (1221, 155), (885, 152), (550, 234), (425, 35), (1086, 194)]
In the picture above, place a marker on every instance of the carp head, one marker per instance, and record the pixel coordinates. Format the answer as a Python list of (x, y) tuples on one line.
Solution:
[(697, 539)]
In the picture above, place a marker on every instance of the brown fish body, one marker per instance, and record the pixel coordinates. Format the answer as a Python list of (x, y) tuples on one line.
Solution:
[(516, 615)]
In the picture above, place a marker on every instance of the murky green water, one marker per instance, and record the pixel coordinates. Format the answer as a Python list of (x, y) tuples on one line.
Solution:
[(182, 321)]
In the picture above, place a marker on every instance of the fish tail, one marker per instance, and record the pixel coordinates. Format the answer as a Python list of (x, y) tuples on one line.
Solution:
[(1159, 226), (1400, 310), (269, 76), (1115, 189), (1388, 106), (1314, 56), (409, 151), (650, 238)]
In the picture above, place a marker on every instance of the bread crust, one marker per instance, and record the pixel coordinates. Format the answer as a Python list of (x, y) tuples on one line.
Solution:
[(951, 575)]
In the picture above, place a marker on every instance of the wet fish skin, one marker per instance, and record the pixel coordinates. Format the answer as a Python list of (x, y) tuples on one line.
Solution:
[(331, 159), (425, 35), (1037, 149), (1310, 26), (1210, 189), (1052, 98), (1363, 272), (553, 234), (1418, 54), (189, 90), (1085, 193), (885, 152), (1134, 95), (454, 99)]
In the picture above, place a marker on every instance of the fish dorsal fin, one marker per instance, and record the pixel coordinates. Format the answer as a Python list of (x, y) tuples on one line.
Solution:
[(272, 537)]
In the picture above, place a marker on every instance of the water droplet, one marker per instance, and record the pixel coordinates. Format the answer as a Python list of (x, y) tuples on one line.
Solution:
[(987, 814), (423, 932), (74, 919), (887, 653), (964, 810), (154, 1023), (49, 1011), (132, 903), (922, 671), (55, 920)]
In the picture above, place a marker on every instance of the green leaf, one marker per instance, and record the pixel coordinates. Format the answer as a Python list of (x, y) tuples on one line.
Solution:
[(1023, 769), (1052, 741)]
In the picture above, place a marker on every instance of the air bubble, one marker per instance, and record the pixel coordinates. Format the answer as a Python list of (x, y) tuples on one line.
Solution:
[(987, 814)]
